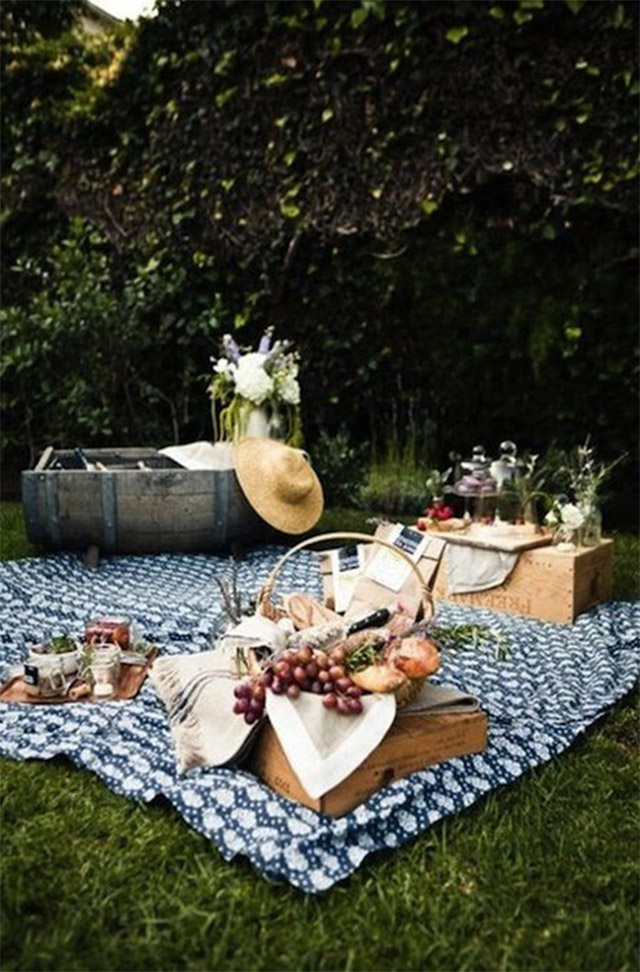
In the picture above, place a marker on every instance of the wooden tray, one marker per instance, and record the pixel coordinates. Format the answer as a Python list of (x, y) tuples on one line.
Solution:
[(131, 678)]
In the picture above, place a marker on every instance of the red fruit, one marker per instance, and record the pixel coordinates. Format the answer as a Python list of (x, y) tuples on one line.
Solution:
[(300, 674), (445, 513), (330, 701), (293, 691)]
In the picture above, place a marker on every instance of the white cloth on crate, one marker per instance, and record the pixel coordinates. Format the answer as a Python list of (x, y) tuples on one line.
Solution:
[(202, 455), (322, 746), (471, 569)]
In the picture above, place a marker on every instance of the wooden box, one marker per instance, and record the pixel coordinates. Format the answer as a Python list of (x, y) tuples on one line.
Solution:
[(123, 508), (413, 742), (546, 583)]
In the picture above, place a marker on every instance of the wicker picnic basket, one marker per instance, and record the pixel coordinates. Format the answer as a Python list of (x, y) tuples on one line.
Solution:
[(270, 610)]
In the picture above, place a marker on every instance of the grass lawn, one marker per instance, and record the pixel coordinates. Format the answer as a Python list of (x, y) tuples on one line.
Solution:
[(540, 875)]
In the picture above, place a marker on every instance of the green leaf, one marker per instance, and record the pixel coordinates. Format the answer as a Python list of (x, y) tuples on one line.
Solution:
[(617, 19), (358, 16), (548, 232), (581, 119), (496, 12), (290, 210), (289, 158), (455, 34), (327, 114), (376, 193), (429, 206), (575, 6), (274, 79), (522, 16), (224, 96)]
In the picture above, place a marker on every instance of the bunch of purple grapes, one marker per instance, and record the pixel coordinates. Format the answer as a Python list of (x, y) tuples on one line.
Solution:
[(301, 670)]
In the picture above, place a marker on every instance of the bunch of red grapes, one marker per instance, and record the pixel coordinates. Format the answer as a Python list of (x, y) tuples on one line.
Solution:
[(300, 670)]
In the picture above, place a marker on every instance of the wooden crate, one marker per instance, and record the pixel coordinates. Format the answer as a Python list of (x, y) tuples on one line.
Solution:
[(413, 742), (125, 509), (547, 583)]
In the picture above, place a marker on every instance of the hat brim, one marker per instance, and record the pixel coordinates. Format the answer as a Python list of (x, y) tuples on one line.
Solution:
[(253, 459)]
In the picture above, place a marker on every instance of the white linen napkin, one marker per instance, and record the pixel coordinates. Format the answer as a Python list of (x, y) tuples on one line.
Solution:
[(202, 455), (322, 746), (472, 569)]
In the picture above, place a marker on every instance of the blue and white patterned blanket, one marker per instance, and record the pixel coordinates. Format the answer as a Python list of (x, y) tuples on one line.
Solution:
[(557, 681)]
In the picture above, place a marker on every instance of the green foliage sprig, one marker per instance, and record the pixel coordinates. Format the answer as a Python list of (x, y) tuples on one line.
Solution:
[(471, 637)]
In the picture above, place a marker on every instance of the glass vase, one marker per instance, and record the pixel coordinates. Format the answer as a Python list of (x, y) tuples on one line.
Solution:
[(590, 533)]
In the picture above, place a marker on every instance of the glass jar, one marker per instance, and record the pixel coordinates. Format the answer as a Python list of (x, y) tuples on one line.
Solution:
[(591, 529), (104, 670)]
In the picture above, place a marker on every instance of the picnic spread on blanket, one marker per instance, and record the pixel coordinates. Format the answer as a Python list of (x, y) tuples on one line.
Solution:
[(303, 708)]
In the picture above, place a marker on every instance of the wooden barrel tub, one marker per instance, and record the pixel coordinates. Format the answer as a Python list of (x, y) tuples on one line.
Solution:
[(161, 508)]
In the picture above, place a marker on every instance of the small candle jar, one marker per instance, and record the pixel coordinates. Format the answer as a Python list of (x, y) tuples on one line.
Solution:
[(104, 670)]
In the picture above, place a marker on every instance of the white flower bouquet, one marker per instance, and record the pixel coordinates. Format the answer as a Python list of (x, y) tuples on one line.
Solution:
[(257, 392)]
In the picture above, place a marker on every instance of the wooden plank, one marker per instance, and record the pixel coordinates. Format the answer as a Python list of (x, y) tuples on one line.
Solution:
[(160, 482), (43, 461), (33, 507)]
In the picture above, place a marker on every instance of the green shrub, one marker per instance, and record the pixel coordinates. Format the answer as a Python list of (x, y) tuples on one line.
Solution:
[(95, 359), (342, 467)]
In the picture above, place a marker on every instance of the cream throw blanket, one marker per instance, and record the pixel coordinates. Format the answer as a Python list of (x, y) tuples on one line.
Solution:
[(198, 693)]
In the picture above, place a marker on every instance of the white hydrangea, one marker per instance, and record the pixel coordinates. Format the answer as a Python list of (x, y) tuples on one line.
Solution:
[(551, 519), (252, 381), (572, 517), (289, 389), (224, 367)]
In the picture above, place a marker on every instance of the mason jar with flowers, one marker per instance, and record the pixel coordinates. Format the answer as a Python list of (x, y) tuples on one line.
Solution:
[(256, 394), (565, 520)]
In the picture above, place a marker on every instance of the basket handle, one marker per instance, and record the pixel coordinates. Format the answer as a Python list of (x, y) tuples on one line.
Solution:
[(264, 598)]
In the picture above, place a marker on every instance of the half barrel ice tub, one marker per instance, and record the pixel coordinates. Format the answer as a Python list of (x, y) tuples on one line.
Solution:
[(136, 501)]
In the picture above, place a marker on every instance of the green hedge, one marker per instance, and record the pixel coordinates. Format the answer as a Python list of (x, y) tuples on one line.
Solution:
[(436, 201)]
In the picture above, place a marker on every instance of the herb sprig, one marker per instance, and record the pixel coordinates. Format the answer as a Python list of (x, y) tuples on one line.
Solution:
[(362, 656), (471, 637)]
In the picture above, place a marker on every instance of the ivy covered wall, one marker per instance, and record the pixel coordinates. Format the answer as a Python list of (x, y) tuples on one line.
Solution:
[(436, 201)]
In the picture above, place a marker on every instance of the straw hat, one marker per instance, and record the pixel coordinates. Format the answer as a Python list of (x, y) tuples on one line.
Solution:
[(279, 484)]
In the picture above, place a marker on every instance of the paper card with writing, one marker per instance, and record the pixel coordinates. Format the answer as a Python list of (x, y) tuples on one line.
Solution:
[(347, 563), (391, 570)]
